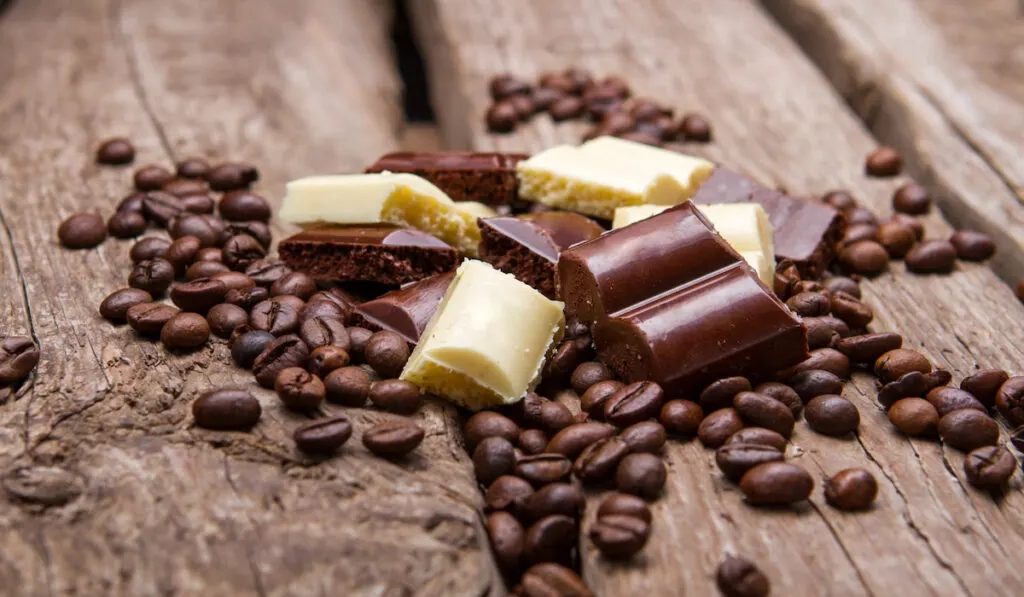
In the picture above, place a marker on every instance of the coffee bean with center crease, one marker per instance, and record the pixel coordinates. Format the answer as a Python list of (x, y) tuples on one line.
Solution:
[(185, 331), (782, 393), (946, 400), (19, 355), (82, 231), (287, 351), (510, 493), (492, 457), (246, 347), (323, 436), (681, 417), (115, 151), (624, 504), (387, 353), (244, 205), (588, 374), (182, 253), (299, 389), (147, 248), (809, 384), (572, 440), (593, 400), (718, 426), (507, 536), (737, 577), (541, 469), (719, 394), (641, 474), (832, 415), (115, 306), (126, 224), (809, 304), (984, 385), (393, 439), (395, 395), (855, 313), (160, 207), (199, 204), (758, 436), (896, 363), (989, 467), (533, 441), (205, 269), (486, 424), (552, 580), (865, 257), (857, 233), (231, 176), (851, 489), (295, 283), (324, 359), (246, 299), (931, 257), (776, 483), (735, 459), (224, 318), (198, 296), (226, 409), (645, 436), (823, 359), (550, 539), (619, 537), (633, 403), (842, 284), (242, 250), (912, 384), (323, 331), (564, 361), (599, 460), (758, 410), (349, 386), (868, 348), (254, 228), (278, 315), (555, 498), (235, 280), (149, 318), (323, 308), (197, 226), (183, 187), (914, 417), (1010, 400), (819, 334), (968, 429)]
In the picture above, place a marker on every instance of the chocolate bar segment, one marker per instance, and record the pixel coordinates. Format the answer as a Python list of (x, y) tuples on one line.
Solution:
[(804, 231), (380, 253), (528, 246), (405, 311), (487, 177)]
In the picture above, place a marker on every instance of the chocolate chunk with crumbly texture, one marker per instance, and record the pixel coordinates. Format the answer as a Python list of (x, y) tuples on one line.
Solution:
[(487, 177)]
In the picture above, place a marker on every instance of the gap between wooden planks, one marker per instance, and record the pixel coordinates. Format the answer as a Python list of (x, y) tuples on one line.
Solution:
[(777, 119), (107, 490)]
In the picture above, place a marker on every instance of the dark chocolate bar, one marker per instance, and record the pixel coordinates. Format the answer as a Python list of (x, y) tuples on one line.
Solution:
[(487, 177), (673, 303), (405, 311), (379, 253), (528, 246), (803, 231)]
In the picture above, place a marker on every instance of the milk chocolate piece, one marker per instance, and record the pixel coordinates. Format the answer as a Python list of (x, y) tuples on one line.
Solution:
[(405, 311), (487, 177), (380, 253), (804, 231), (528, 246)]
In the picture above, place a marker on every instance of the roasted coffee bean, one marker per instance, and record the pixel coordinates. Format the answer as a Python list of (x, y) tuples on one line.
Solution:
[(600, 100), (131, 202), (910, 222), (395, 395), (946, 400), (349, 386), (681, 417), (246, 299), (1010, 400), (192, 168), (984, 385), (160, 207), (566, 108), (599, 460), (865, 257), (758, 436), (524, 106), (931, 257), (619, 537), (694, 127), (633, 403), (972, 246), (195, 225), (148, 248), (883, 162), (115, 151), (393, 439), (387, 353), (200, 205), (287, 351), (832, 415), (967, 429), (183, 187), (564, 361), (115, 306), (737, 577), (502, 117), (154, 276), (718, 426), (836, 324), (235, 280), (254, 228), (82, 231), (552, 580), (544, 97), (989, 467), (242, 206), (719, 394), (776, 483), (588, 374), (843, 284), (506, 85), (936, 379), (358, 338), (645, 436), (641, 474), (911, 384), (224, 318), (326, 331), (231, 176), (783, 394), (824, 359), (855, 313), (508, 492), (492, 458), (507, 537), (581, 78), (182, 253), (858, 233), (486, 424), (735, 459), (911, 198), (869, 347), (246, 347), (19, 355), (325, 359), (841, 200), (809, 304), (278, 315), (860, 216), (616, 123), (198, 296), (151, 177), (323, 436), (914, 417), (557, 82), (819, 333), (294, 283), (786, 276), (227, 409), (541, 469), (851, 489), (299, 389), (241, 250), (809, 384), (550, 539), (322, 308), (555, 416), (896, 363), (533, 441), (185, 331), (205, 269), (593, 400), (125, 224), (572, 440), (896, 238), (624, 504), (556, 498), (807, 286)]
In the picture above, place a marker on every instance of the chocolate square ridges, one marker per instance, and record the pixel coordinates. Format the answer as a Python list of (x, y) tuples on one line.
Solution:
[(487, 177), (367, 252), (528, 246), (405, 311)]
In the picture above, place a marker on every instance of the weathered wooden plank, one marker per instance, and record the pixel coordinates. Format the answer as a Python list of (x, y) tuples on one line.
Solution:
[(154, 506), (776, 118), (940, 81)]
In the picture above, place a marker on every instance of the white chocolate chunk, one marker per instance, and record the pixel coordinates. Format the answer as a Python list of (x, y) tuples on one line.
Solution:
[(486, 344), (624, 216), (402, 199), (689, 171), (564, 177), (476, 209)]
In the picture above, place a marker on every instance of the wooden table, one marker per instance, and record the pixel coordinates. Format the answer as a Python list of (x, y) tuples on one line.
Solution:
[(109, 490)]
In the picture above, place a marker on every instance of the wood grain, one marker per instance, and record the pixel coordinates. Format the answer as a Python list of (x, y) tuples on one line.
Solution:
[(107, 488), (940, 81), (776, 118)]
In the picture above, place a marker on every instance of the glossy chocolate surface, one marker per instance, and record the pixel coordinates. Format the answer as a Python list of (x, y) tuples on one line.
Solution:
[(406, 311), (487, 177), (368, 234), (411, 161), (546, 234)]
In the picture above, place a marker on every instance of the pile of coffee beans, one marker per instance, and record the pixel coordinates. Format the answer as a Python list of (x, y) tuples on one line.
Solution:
[(608, 103)]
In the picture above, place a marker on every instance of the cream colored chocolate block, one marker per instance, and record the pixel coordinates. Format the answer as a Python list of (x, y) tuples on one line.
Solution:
[(624, 216), (476, 209), (564, 177), (403, 199), (690, 171), (487, 342)]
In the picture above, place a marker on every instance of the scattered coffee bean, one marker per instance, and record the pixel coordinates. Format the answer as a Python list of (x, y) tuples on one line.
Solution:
[(185, 331), (914, 417), (126, 224), (896, 238), (192, 168), (809, 304), (160, 207), (851, 489), (968, 429), (395, 395), (984, 385), (387, 353), (325, 359), (737, 577), (205, 269), (1010, 400), (227, 410), (242, 206), (502, 117), (865, 257), (861, 216), (246, 347), (152, 177), (588, 374), (200, 205), (594, 398), (185, 187), (564, 361), (486, 424), (989, 467), (566, 108), (972, 246), (324, 309), (284, 352), (326, 331), (182, 253), (82, 231), (555, 416), (776, 483), (246, 299), (393, 439), (507, 537), (616, 123), (936, 379), (946, 400), (198, 226), (758, 436), (624, 504), (148, 248), (198, 296), (619, 537), (912, 199), (492, 458), (806, 286), (857, 233), (278, 315), (149, 318), (718, 426), (506, 85), (544, 97), (641, 474), (533, 441), (910, 222), (212, 254), (883, 162), (842, 284), (633, 403), (241, 250), (294, 283), (694, 127), (115, 306), (254, 228), (758, 410), (599, 460), (720, 393), (19, 355), (735, 459), (823, 359), (836, 324), (231, 176), (810, 384), (550, 539), (841, 200), (896, 363), (115, 151), (681, 417), (645, 436), (931, 257), (541, 469), (819, 333), (786, 276), (224, 318), (299, 389), (132, 202), (235, 280), (868, 348), (349, 386), (783, 394), (911, 384), (323, 436), (556, 498), (572, 440), (508, 492), (832, 415)]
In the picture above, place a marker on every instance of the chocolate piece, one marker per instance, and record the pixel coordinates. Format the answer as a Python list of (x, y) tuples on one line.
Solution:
[(372, 252), (405, 311), (487, 177), (804, 231), (695, 312), (528, 246)]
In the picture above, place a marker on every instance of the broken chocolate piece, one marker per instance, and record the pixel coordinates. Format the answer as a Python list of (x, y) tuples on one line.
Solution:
[(405, 311), (486, 177)]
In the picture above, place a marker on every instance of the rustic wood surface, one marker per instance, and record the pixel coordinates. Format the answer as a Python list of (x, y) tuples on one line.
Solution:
[(941, 81), (778, 119), (107, 489)]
